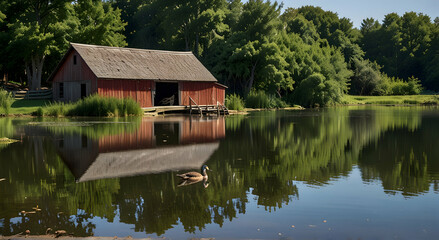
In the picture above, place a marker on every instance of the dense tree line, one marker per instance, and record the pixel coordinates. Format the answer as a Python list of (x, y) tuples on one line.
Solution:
[(306, 55)]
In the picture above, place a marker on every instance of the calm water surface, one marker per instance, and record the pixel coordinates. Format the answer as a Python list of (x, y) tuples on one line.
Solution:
[(340, 173)]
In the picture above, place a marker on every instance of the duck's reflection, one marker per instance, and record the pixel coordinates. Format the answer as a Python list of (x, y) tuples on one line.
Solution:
[(190, 178), (158, 145)]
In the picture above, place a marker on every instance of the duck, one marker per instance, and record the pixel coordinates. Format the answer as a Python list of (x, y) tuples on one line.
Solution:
[(195, 176)]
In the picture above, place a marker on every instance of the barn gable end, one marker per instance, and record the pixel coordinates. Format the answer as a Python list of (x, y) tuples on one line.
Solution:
[(70, 77)]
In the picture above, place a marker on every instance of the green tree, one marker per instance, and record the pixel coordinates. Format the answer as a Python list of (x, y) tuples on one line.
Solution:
[(296, 23), (250, 56), (42, 29), (129, 9), (366, 79), (316, 90), (38, 28), (98, 23), (415, 41), (259, 20), (187, 25)]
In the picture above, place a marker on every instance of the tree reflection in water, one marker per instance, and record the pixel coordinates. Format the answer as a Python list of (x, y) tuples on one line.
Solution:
[(263, 154)]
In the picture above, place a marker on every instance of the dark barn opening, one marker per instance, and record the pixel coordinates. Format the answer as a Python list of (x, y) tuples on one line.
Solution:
[(166, 94), (83, 90), (167, 133)]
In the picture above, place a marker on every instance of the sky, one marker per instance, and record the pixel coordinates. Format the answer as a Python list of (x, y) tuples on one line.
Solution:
[(356, 10)]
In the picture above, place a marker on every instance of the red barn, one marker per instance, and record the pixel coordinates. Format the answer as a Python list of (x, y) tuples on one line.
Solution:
[(151, 77)]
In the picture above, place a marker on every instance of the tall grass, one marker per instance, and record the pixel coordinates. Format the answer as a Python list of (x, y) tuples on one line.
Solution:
[(94, 105), (5, 101), (259, 99), (234, 102), (54, 109)]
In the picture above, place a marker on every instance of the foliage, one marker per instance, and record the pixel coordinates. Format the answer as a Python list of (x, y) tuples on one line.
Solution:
[(259, 99), (248, 46), (234, 102), (98, 23), (367, 79), (404, 45), (93, 105), (96, 105), (5, 101), (410, 87), (316, 91), (39, 31), (55, 109)]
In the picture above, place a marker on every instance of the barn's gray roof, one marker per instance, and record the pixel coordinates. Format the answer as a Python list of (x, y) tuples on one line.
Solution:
[(130, 63), (148, 161)]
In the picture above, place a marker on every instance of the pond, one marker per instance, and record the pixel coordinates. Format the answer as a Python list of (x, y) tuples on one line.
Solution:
[(357, 172)]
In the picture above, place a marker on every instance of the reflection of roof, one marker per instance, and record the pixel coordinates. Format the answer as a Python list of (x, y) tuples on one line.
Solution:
[(130, 63), (147, 161)]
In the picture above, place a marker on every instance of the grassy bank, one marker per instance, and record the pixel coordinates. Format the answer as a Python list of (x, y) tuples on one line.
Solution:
[(90, 106), (392, 100), (26, 107), (93, 105)]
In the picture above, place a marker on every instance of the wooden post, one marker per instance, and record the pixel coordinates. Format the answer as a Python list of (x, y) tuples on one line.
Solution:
[(217, 108)]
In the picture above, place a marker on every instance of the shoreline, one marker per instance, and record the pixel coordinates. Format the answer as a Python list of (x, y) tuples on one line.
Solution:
[(396, 101), (53, 236)]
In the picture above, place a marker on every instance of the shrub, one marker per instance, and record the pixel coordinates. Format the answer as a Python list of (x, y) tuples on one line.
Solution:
[(100, 106), (257, 99), (93, 105), (5, 101), (414, 86), (234, 102), (279, 103), (316, 90), (55, 109), (397, 86), (39, 112)]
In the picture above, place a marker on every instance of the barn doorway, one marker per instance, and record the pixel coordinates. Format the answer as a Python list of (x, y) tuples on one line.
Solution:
[(166, 94)]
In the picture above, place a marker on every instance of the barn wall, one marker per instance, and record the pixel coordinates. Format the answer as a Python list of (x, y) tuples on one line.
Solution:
[(139, 90), (202, 93), (72, 76), (203, 131), (194, 131), (139, 139), (220, 93)]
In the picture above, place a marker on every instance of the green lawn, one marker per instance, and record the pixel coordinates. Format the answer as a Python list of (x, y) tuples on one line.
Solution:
[(393, 100), (27, 107)]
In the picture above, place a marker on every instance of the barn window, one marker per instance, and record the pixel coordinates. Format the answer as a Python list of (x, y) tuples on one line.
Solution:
[(61, 90), (74, 59)]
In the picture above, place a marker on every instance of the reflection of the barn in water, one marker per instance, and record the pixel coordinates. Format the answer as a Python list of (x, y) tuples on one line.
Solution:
[(162, 145)]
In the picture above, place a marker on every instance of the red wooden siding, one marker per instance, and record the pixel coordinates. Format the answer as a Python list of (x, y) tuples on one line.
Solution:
[(202, 93), (191, 132), (78, 72), (140, 139), (139, 90), (73, 75), (203, 131), (220, 93)]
